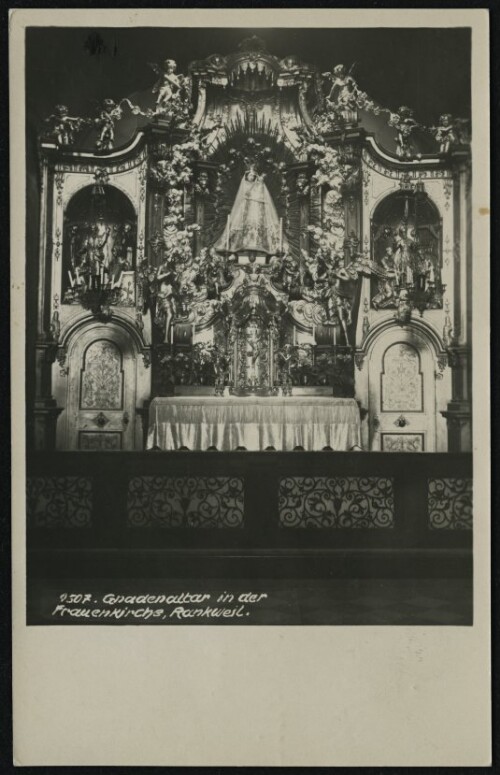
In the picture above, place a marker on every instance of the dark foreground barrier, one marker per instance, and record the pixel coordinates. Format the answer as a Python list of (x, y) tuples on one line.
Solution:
[(246, 514)]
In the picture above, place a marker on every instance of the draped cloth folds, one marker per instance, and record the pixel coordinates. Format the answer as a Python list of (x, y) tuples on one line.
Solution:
[(253, 223), (254, 423)]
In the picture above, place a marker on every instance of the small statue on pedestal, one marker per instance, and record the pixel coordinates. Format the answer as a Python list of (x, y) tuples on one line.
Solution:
[(404, 123), (385, 295), (64, 126), (302, 185), (451, 131), (445, 133), (202, 185), (109, 114), (344, 89), (172, 91), (168, 84)]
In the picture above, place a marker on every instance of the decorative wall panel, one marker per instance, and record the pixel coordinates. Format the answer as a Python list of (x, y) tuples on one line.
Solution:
[(350, 502), (401, 380), (450, 504), (62, 501), (102, 377), (402, 442), (107, 441), (213, 502)]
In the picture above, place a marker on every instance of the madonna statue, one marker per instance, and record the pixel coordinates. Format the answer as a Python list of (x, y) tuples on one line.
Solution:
[(253, 224)]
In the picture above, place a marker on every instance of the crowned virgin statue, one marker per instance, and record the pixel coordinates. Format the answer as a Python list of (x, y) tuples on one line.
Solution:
[(253, 224)]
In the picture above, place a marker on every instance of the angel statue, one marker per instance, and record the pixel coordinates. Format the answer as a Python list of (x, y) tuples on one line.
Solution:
[(170, 87), (64, 126), (404, 123), (109, 113), (344, 89), (445, 133)]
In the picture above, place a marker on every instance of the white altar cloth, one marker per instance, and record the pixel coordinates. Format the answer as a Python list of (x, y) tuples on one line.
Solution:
[(200, 422)]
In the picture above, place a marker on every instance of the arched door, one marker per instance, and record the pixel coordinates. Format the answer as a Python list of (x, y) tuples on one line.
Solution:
[(100, 411), (402, 394)]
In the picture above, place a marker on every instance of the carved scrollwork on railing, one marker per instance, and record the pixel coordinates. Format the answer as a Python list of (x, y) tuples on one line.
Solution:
[(350, 502), (60, 501), (207, 502), (449, 504)]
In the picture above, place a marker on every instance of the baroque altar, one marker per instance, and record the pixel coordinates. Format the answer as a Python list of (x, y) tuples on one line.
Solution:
[(250, 242)]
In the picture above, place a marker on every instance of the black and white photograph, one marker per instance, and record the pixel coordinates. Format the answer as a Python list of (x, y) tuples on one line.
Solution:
[(249, 270), (250, 397)]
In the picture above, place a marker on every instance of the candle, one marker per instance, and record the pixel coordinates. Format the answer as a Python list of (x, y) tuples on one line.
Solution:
[(171, 332), (294, 335), (185, 205), (335, 335), (71, 279), (314, 334), (194, 326), (281, 235), (228, 227)]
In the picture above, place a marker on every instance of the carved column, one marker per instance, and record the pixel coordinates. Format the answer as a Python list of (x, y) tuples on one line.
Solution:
[(458, 412), (45, 409)]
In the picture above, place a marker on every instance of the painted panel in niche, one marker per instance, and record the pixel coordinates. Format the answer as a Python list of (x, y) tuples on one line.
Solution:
[(449, 504), (347, 502), (402, 383), (207, 502), (60, 501), (107, 441), (102, 377), (402, 442)]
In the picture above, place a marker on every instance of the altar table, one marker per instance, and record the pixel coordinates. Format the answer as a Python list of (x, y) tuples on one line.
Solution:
[(200, 422)]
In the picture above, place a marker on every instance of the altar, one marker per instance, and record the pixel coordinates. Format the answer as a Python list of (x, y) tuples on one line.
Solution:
[(231, 423)]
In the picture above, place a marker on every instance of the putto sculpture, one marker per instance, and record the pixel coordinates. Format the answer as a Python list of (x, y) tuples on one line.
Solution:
[(63, 127), (405, 124)]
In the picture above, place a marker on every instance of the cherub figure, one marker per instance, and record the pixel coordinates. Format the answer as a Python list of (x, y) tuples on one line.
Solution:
[(343, 90), (202, 185), (291, 271), (168, 85), (302, 185), (64, 126), (109, 113), (404, 123), (445, 133), (309, 267)]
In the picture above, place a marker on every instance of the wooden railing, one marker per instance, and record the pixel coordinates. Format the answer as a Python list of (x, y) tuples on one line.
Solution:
[(296, 505)]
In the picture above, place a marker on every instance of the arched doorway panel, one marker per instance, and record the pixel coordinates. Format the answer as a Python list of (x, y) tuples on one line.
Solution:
[(402, 392), (100, 391)]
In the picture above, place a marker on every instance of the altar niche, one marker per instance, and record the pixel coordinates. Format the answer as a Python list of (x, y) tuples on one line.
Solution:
[(99, 246), (407, 251), (251, 295)]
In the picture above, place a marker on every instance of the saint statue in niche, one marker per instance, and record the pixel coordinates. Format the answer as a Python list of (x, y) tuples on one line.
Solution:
[(254, 224)]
